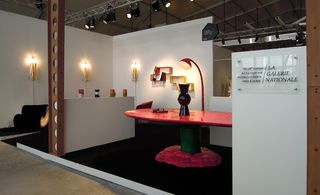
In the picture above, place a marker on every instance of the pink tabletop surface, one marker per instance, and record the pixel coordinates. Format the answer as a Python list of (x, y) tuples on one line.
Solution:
[(196, 117)]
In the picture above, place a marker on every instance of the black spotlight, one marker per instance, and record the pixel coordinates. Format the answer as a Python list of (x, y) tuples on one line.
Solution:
[(110, 17), (90, 24), (166, 3), (129, 14), (223, 42), (133, 10), (257, 38), (239, 40), (155, 5), (277, 35)]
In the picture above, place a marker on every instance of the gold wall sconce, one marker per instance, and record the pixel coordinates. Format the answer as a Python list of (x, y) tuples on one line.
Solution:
[(86, 68), (32, 62), (135, 71)]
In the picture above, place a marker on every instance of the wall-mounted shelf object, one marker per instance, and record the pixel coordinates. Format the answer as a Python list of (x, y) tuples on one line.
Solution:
[(160, 73), (178, 79)]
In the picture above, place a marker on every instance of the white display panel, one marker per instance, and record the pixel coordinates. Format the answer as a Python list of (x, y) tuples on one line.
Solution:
[(268, 74)]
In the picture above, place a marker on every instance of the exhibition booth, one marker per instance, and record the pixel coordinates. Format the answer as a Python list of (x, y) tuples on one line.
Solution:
[(105, 76)]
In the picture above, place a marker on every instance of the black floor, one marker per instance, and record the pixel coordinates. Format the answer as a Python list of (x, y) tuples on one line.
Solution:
[(37, 140), (134, 159)]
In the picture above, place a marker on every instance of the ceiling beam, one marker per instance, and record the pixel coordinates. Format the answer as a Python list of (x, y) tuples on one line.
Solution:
[(247, 11), (213, 14), (206, 9), (294, 8)]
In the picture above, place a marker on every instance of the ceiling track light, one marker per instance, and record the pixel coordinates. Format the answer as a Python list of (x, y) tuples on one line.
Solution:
[(133, 10), (90, 24), (257, 38), (277, 35), (223, 42), (129, 15), (166, 3), (110, 17), (239, 40), (155, 5)]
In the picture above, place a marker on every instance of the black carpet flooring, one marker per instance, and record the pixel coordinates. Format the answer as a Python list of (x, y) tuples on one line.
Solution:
[(13, 131), (134, 159), (37, 140)]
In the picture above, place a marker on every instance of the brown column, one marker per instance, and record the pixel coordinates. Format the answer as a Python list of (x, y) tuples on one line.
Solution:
[(313, 61), (56, 76)]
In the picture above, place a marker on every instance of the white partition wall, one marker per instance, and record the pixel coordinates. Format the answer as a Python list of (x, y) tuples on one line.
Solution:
[(269, 122), (163, 46), (22, 36), (96, 121)]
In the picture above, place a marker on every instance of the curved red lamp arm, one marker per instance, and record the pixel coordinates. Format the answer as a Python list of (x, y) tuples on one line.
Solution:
[(188, 61)]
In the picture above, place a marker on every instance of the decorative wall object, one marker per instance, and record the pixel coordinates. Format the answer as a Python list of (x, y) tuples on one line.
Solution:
[(32, 62), (86, 69), (135, 71), (160, 73)]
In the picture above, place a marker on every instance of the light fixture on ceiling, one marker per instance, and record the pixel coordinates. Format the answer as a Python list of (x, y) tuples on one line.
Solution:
[(239, 40), (129, 15), (110, 17), (133, 10), (166, 3), (90, 24), (256, 38), (223, 42), (277, 35), (191, 0), (155, 5)]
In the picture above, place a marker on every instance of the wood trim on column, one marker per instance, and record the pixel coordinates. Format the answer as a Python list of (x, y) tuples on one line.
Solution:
[(56, 76), (313, 84)]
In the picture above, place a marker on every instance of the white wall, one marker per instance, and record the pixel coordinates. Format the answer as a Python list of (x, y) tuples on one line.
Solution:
[(220, 136), (163, 46), (96, 121), (269, 135), (97, 49), (21, 36)]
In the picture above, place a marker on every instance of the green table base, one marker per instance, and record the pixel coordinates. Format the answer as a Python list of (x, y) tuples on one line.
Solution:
[(190, 139)]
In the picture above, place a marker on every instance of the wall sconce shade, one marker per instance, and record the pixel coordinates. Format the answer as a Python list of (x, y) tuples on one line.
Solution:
[(33, 68), (86, 71), (134, 71), (186, 63)]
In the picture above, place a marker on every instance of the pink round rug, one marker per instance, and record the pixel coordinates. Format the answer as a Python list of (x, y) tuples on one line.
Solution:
[(174, 156)]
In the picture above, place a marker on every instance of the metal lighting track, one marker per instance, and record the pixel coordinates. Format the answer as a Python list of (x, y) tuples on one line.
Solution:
[(96, 10)]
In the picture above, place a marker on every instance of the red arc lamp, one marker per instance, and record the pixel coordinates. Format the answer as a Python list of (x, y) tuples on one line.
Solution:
[(186, 64)]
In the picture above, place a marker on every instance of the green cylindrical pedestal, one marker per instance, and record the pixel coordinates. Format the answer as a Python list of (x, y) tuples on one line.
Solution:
[(190, 140)]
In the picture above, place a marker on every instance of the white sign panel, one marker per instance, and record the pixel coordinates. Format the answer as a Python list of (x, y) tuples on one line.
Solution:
[(268, 74)]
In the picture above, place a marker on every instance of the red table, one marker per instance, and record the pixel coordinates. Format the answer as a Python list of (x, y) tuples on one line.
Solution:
[(190, 153)]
